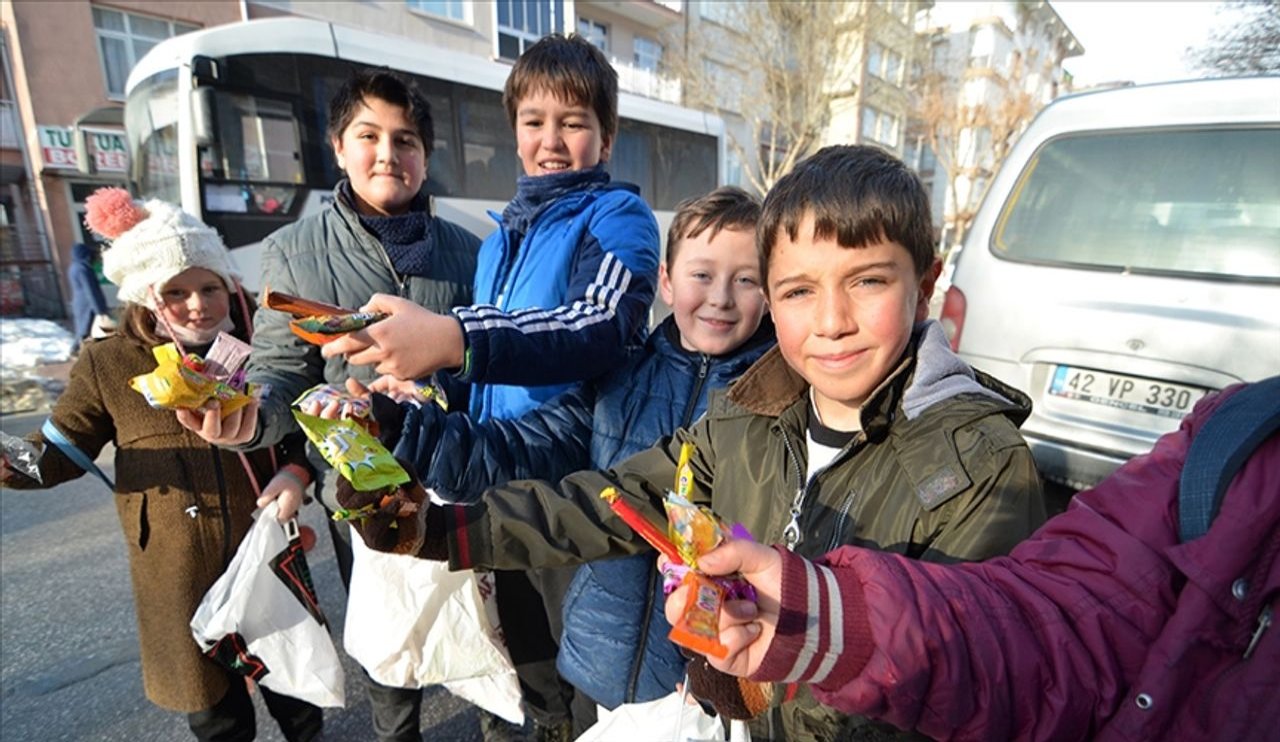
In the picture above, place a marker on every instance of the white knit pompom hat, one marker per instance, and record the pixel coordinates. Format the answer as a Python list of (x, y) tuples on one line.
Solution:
[(151, 242)]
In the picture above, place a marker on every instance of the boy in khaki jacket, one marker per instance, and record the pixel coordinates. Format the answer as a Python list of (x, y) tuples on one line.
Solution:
[(861, 427)]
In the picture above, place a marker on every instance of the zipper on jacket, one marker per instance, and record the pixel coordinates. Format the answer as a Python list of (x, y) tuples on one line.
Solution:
[(634, 681), (226, 507), (791, 534), (1264, 621), (703, 367)]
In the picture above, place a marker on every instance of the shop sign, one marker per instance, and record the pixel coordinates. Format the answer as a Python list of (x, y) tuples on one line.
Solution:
[(108, 150), (58, 147)]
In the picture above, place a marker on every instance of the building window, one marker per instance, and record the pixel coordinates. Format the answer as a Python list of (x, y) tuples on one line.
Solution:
[(983, 47), (885, 64), (725, 12), (648, 53), (878, 126), (595, 32), (124, 38), (522, 22), (455, 9)]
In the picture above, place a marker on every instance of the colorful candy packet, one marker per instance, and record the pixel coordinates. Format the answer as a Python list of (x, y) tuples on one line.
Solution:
[(184, 382), (692, 531), (318, 322), (358, 409), (351, 449)]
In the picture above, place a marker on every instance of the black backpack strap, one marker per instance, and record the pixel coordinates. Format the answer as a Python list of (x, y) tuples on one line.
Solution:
[(1220, 448)]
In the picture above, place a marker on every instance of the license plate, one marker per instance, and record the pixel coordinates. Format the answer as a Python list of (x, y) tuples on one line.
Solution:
[(1125, 392)]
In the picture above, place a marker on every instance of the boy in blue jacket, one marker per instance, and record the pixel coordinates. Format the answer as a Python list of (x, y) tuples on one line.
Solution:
[(562, 293), (612, 615)]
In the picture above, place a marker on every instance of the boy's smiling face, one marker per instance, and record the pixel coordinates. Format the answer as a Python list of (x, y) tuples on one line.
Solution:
[(713, 287), (553, 136), (844, 315), (383, 156)]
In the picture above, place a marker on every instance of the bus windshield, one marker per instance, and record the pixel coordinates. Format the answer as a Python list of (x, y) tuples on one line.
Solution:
[(151, 126)]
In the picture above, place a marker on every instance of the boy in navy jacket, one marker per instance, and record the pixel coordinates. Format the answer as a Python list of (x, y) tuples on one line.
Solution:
[(612, 617)]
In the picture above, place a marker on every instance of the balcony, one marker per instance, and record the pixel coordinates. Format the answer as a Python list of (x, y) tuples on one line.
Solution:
[(645, 82), (648, 13), (10, 127)]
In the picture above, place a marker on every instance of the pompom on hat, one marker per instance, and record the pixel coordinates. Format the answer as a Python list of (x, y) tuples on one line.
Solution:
[(151, 243)]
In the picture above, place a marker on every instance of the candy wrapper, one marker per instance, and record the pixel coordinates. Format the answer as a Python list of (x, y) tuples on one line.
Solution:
[(356, 409), (386, 502), (317, 322), (22, 455), (691, 532), (353, 452), (184, 383)]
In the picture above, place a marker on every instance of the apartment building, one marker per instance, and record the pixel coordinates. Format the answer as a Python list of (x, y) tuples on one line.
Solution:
[(61, 127), (65, 67), (991, 67)]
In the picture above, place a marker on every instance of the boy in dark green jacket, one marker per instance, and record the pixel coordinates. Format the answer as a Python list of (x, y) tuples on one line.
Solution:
[(861, 427)]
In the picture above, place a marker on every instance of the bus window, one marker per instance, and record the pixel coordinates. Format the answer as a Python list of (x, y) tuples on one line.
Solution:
[(151, 124), (257, 139)]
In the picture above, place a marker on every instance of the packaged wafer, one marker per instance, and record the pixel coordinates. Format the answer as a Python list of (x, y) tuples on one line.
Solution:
[(318, 322)]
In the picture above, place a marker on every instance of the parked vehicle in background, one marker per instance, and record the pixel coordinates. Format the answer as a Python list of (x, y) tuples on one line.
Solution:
[(229, 122), (1125, 263)]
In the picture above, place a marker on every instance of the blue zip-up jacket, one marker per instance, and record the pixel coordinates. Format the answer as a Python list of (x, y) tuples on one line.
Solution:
[(562, 289), (613, 611)]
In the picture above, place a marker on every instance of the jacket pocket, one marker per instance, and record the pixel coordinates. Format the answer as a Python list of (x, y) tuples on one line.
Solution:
[(133, 518)]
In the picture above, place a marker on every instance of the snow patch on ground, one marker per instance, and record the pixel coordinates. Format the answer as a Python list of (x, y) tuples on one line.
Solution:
[(25, 346)]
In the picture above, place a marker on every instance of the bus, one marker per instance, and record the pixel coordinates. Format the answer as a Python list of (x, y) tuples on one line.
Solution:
[(229, 122)]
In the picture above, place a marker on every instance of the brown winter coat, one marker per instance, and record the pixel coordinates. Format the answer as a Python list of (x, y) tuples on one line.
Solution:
[(161, 470)]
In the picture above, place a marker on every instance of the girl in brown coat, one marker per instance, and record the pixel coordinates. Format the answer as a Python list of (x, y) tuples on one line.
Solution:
[(184, 505)]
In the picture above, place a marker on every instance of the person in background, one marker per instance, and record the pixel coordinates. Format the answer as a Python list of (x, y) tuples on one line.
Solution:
[(1109, 623), (562, 294), (379, 234), (89, 312), (861, 427), (184, 505)]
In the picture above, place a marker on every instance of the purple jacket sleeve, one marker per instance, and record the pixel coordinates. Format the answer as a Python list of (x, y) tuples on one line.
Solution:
[(1040, 644)]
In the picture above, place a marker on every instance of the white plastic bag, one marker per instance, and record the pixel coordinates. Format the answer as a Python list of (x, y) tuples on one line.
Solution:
[(668, 719), (261, 617), (412, 623)]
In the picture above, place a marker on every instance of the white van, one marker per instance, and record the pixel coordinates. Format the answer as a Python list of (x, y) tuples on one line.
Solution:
[(1125, 263)]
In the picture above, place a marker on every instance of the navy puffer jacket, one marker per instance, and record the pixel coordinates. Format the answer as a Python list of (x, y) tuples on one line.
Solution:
[(614, 647)]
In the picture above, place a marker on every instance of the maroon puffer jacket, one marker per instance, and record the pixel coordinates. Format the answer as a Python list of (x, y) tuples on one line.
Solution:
[(1100, 626)]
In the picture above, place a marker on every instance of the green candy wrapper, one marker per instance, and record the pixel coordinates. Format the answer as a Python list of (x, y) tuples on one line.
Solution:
[(353, 452)]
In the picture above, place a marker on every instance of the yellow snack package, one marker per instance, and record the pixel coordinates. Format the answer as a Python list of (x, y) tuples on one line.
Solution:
[(355, 454), (180, 384)]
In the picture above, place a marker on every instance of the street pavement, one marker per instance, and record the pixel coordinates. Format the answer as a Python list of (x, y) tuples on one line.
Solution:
[(68, 647)]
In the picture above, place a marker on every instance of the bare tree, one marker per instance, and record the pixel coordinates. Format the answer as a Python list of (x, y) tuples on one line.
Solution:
[(971, 116), (1250, 45), (777, 67)]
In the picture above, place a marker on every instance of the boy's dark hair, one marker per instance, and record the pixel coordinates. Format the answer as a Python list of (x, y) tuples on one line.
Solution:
[(858, 195), (387, 86), (727, 207), (570, 68)]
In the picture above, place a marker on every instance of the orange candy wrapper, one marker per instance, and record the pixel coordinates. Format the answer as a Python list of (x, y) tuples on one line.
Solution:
[(693, 531), (317, 322)]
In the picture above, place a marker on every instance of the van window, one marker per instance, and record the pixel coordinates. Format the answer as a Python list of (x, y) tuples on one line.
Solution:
[(1177, 201)]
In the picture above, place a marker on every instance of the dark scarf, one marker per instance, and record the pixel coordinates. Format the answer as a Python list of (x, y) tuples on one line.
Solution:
[(536, 192), (406, 237)]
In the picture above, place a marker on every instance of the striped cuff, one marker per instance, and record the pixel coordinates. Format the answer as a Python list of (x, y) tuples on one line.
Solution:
[(823, 636)]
